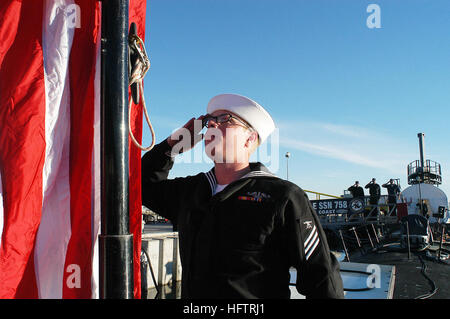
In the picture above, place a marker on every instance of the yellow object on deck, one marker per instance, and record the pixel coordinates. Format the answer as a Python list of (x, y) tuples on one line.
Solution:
[(323, 194)]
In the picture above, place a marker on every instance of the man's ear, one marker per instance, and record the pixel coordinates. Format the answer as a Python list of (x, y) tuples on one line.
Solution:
[(252, 140)]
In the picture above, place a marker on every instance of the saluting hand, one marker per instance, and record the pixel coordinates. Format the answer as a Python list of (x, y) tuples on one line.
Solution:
[(187, 136)]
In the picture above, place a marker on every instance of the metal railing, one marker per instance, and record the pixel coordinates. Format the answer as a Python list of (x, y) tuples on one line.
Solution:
[(429, 173), (321, 194), (383, 213)]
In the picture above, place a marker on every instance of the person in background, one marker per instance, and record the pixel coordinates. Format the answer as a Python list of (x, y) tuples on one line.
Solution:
[(374, 192), (393, 192), (356, 190)]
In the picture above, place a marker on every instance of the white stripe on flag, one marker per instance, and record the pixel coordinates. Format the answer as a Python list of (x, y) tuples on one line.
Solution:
[(55, 229)]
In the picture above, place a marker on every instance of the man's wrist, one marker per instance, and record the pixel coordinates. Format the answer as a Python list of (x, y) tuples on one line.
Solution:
[(170, 142)]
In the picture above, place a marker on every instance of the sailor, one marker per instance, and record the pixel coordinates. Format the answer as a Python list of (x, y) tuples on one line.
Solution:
[(374, 191), (393, 192), (241, 228), (356, 190)]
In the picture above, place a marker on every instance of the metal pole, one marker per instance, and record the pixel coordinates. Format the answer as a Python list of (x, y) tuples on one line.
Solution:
[(343, 245), (375, 232), (407, 238), (420, 200), (421, 151), (370, 238), (356, 235), (442, 241), (116, 244), (287, 165), (287, 169)]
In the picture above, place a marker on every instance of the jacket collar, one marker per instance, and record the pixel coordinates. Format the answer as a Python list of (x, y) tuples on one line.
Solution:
[(256, 170)]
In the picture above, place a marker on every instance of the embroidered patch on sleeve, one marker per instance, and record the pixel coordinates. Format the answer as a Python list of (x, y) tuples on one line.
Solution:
[(312, 237)]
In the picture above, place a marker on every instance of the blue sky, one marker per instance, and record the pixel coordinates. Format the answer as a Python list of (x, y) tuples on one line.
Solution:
[(347, 100)]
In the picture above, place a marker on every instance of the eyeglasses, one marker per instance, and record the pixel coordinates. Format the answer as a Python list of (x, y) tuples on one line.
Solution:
[(222, 118)]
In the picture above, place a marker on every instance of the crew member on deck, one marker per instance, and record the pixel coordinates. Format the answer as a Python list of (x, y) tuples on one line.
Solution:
[(374, 191), (241, 228), (356, 190), (393, 193)]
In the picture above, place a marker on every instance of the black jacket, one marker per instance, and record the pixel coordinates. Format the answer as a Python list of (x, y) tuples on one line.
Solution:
[(357, 191), (241, 242), (374, 189), (392, 189)]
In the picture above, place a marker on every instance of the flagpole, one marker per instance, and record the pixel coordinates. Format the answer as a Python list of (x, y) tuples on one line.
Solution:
[(116, 243)]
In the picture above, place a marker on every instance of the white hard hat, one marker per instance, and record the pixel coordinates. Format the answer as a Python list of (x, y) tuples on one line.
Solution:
[(247, 109)]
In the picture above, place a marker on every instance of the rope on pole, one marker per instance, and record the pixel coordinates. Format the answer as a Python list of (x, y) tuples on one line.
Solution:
[(138, 69)]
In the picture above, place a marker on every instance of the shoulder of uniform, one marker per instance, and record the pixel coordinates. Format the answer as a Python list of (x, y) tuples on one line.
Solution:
[(290, 191)]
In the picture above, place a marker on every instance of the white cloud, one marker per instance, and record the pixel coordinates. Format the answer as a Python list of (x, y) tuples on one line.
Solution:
[(356, 145), (332, 151)]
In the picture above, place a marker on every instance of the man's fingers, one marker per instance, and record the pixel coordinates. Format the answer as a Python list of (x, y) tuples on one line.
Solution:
[(189, 123), (188, 135)]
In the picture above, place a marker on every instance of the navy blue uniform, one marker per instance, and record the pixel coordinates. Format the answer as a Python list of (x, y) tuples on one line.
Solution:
[(375, 192), (393, 191), (242, 241)]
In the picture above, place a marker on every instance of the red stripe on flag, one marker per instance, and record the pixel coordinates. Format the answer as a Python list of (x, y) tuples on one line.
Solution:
[(137, 10), (78, 266), (22, 142)]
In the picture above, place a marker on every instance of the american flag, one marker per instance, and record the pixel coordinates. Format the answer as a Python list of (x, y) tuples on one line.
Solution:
[(50, 148)]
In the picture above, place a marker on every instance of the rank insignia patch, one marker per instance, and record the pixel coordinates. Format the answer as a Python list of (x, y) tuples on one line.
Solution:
[(311, 234)]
